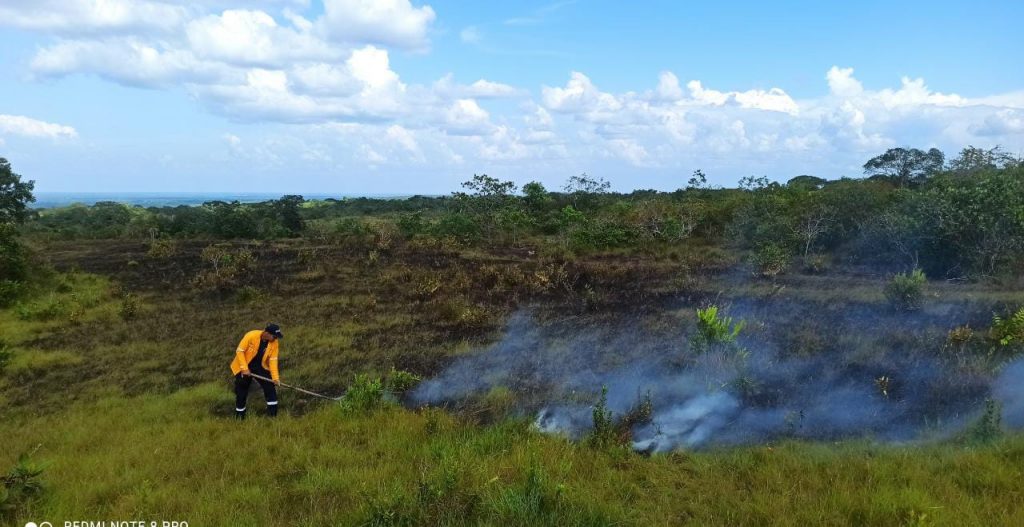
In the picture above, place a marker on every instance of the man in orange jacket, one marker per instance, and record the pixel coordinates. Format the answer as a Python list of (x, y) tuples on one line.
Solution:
[(257, 353)]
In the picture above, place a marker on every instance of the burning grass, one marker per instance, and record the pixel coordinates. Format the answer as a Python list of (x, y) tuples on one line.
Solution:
[(164, 456), (501, 338)]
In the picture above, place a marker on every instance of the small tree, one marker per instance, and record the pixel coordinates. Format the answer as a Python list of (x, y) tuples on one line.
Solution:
[(905, 167), (287, 209), (584, 189), (973, 159), (15, 195), (697, 181), (535, 196)]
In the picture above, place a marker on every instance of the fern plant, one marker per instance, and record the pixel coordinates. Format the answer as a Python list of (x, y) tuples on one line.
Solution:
[(1009, 330), (716, 328)]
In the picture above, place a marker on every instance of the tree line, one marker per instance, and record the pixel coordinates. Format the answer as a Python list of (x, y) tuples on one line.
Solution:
[(912, 209)]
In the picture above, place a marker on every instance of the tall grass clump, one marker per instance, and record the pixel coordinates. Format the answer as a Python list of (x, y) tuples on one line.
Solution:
[(989, 426), (905, 291)]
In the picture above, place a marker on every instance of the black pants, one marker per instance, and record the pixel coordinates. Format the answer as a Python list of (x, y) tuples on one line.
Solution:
[(242, 384)]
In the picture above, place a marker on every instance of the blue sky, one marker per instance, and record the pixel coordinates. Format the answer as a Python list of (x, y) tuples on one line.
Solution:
[(393, 96)]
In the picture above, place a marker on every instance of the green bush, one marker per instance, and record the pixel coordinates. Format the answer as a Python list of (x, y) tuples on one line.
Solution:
[(603, 433), (20, 485), (161, 248), (366, 393), (226, 268), (45, 309), (715, 328), (770, 260), (129, 308), (5, 356), (1009, 330), (989, 426), (400, 381), (906, 290), (10, 291), (249, 295)]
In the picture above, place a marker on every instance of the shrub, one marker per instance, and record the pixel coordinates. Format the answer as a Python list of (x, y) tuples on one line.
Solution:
[(714, 328), (250, 295), (815, 263), (45, 309), (19, 486), (399, 381), (906, 290), (1009, 330), (10, 291), (366, 393), (989, 426), (5, 356), (640, 413), (603, 433), (162, 248), (129, 308), (770, 260), (227, 267)]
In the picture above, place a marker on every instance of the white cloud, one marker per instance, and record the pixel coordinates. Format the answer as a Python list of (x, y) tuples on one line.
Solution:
[(403, 138), (775, 99), (466, 117), (481, 89), (128, 61), (29, 127), (1004, 122), (842, 83), (668, 87), (579, 96), (253, 38), (91, 16), (388, 22), (914, 92)]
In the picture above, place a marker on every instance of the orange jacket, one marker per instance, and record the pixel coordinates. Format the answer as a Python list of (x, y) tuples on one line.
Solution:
[(248, 348)]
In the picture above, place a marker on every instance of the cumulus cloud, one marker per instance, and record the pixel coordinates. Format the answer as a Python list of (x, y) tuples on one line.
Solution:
[(128, 60), (77, 17), (29, 127), (387, 22), (1004, 122), (466, 117), (264, 61), (480, 89), (254, 38), (842, 83)]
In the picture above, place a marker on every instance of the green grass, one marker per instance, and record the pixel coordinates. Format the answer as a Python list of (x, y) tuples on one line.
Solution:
[(168, 457), (132, 416)]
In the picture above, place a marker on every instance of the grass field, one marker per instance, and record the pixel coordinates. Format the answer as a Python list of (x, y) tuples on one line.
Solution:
[(117, 383)]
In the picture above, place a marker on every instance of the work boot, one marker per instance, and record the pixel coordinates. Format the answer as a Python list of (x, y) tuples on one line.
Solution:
[(240, 414), (272, 409)]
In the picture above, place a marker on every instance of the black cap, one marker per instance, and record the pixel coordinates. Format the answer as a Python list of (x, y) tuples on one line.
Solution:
[(274, 330)]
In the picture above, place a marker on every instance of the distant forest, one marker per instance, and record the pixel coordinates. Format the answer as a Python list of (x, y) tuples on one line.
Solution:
[(958, 218)]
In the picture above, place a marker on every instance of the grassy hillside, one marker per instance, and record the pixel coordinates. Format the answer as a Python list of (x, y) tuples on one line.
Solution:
[(116, 381)]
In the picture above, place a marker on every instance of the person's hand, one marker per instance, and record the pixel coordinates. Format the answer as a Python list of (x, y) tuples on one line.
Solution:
[(245, 372), (277, 382)]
